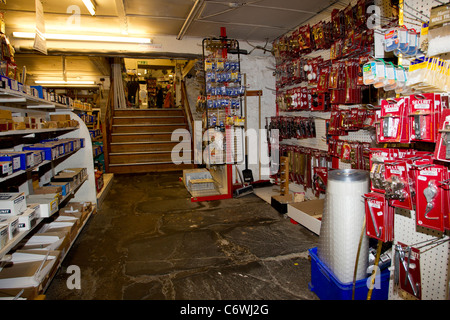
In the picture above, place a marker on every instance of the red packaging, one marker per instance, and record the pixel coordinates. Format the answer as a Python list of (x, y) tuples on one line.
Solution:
[(442, 150), (423, 114), (397, 184), (393, 121), (320, 180), (379, 217), (430, 202), (409, 278)]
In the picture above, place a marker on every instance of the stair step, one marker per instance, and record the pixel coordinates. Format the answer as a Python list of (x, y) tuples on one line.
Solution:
[(147, 128), (144, 152), (140, 167), (142, 146), (136, 157), (148, 120), (141, 137), (148, 112)]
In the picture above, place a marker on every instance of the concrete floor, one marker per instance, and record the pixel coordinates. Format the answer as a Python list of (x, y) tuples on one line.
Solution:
[(150, 242)]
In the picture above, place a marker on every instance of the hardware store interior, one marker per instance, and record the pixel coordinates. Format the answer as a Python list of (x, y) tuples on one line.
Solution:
[(224, 150)]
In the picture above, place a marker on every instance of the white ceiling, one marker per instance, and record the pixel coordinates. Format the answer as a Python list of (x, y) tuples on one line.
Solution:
[(257, 20), (251, 20)]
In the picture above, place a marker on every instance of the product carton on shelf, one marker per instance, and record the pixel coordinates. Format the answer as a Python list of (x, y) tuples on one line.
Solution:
[(46, 241), (65, 187), (67, 227), (27, 219), (47, 190), (4, 237), (51, 152), (19, 294), (5, 114), (12, 223), (6, 125), (79, 210), (48, 205), (28, 269), (12, 203), (5, 168), (26, 158), (14, 158)]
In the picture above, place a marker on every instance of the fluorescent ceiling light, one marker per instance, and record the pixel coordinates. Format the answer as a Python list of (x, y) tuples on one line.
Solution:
[(63, 82), (74, 37), (90, 6)]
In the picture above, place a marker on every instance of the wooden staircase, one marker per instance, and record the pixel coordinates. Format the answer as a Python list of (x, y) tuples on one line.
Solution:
[(140, 140)]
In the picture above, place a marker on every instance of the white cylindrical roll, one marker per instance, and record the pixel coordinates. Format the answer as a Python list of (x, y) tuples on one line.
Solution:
[(342, 221)]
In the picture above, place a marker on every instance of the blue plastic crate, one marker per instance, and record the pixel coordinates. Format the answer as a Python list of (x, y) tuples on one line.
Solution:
[(327, 287)]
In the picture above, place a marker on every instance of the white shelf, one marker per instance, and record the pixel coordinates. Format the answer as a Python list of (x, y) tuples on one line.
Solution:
[(18, 173), (22, 234), (34, 131), (20, 99), (107, 183), (17, 238)]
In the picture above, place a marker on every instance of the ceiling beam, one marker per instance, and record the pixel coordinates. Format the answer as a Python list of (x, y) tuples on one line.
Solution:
[(120, 6), (187, 68), (101, 64)]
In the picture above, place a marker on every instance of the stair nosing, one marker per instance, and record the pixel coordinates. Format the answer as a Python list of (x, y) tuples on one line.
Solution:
[(134, 133), (148, 109), (143, 152), (142, 163), (146, 117), (149, 125), (143, 142)]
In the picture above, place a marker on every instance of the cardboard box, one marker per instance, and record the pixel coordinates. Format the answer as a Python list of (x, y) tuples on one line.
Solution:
[(27, 219), (28, 269), (14, 158), (51, 152), (47, 205), (38, 157), (5, 114), (77, 209), (19, 294), (73, 175), (26, 158), (65, 187), (12, 203), (36, 207), (59, 117), (4, 236), (12, 223), (280, 202), (6, 125), (5, 168), (49, 190), (72, 219), (68, 227), (46, 241)]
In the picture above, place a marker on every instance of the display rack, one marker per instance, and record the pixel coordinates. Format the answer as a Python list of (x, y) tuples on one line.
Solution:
[(84, 192), (435, 257), (434, 261), (223, 118)]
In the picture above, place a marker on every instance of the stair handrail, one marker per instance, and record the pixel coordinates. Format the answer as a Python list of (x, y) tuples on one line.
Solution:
[(186, 107), (107, 126)]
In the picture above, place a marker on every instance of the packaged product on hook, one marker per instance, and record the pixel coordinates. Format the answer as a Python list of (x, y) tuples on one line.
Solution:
[(403, 40), (391, 40), (413, 43), (390, 81), (401, 79), (374, 72)]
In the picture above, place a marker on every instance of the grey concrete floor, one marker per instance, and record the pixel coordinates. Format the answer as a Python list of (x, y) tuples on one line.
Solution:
[(148, 241)]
